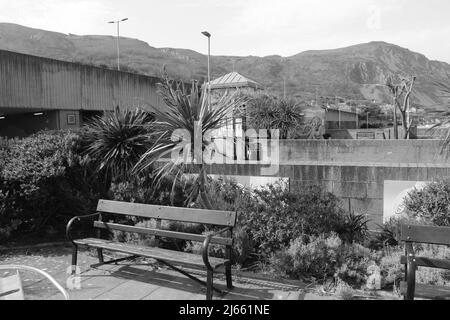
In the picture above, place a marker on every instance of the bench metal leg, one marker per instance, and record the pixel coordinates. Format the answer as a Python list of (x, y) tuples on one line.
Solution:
[(228, 276), (74, 258), (411, 279), (209, 285), (189, 276), (100, 256)]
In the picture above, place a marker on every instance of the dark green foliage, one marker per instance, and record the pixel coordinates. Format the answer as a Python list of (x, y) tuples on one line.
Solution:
[(43, 182), (354, 228), (269, 112), (431, 204), (323, 257), (277, 215), (143, 190), (116, 141), (228, 195)]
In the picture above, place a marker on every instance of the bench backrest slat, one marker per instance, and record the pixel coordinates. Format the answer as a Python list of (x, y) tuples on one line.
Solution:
[(425, 234), (162, 233), (213, 217), (428, 262)]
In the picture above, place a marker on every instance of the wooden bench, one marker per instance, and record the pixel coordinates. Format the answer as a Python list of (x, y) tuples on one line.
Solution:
[(171, 258), (411, 234)]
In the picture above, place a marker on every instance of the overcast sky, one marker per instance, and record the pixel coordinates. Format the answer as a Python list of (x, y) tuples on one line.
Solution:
[(248, 27)]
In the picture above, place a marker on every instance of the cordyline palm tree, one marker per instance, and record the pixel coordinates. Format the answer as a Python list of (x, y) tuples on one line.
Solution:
[(261, 112), (116, 141), (267, 112), (288, 117), (186, 117)]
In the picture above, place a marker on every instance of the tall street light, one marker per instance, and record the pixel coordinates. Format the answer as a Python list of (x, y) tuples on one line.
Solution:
[(208, 35), (118, 48)]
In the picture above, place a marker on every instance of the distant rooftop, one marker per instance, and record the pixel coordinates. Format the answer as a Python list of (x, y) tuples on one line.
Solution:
[(234, 80), (329, 108)]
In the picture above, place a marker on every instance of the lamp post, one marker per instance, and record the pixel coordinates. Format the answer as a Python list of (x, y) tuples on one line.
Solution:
[(118, 47), (208, 35)]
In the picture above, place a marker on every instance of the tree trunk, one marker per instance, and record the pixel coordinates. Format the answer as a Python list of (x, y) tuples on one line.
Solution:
[(203, 193), (405, 126), (395, 120)]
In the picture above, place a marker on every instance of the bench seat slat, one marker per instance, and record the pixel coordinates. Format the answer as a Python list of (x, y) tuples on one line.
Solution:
[(162, 233), (428, 291), (429, 262), (183, 258), (213, 217)]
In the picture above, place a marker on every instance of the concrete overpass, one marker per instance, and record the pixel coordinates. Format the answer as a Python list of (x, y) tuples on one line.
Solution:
[(39, 93)]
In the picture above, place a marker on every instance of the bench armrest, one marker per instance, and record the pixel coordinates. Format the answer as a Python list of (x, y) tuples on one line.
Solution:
[(77, 218), (206, 243)]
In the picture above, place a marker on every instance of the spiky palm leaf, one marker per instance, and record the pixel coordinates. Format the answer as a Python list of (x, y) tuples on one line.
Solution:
[(117, 140), (267, 112), (261, 112), (184, 110), (288, 116)]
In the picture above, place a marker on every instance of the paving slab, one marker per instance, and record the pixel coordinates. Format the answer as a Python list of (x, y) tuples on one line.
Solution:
[(134, 280)]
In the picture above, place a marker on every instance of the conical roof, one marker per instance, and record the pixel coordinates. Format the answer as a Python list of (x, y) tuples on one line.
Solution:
[(234, 80)]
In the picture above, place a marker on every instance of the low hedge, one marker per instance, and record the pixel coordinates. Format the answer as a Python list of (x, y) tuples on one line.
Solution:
[(43, 182)]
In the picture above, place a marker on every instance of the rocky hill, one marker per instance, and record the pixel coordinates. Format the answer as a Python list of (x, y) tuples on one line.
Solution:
[(354, 72)]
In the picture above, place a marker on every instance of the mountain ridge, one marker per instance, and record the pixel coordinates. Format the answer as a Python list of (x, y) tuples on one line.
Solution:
[(354, 72)]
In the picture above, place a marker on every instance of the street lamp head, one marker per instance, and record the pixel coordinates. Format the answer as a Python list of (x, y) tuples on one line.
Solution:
[(124, 19), (111, 22), (207, 34)]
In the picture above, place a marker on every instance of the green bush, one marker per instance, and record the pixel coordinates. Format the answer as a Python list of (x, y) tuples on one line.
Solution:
[(323, 257), (431, 204), (43, 182), (354, 228), (276, 215), (144, 190), (309, 256), (354, 263)]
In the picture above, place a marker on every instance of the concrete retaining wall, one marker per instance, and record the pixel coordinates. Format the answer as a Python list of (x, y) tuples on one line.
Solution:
[(354, 170)]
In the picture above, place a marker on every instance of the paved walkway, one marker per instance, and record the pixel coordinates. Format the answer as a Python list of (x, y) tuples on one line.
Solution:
[(137, 280)]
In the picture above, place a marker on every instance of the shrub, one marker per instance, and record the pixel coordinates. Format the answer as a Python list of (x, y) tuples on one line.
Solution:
[(309, 256), (277, 215), (354, 261), (42, 182), (228, 195), (323, 257), (144, 190), (431, 204), (354, 228)]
